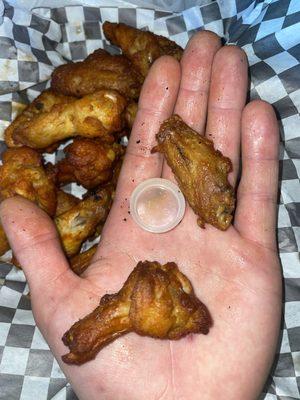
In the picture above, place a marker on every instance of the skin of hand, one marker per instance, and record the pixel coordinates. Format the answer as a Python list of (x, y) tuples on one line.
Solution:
[(235, 273)]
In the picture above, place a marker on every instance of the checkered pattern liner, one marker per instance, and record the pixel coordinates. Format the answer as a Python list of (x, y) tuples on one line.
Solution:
[(33, 43)]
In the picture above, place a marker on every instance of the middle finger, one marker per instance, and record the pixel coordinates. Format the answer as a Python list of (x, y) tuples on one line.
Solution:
[(226, 102)]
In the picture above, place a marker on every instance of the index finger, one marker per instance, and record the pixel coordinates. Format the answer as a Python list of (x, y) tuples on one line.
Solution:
[(156, 103)]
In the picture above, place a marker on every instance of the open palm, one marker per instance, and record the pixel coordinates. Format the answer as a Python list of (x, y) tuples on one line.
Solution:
[(235, 273)]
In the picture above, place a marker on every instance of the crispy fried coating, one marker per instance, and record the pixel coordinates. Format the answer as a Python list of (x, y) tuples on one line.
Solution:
[(100, 70), (80, 222), (22, 174), (89, 162), (80, 262), (4, 245), (43, 103), (130, 114), (200, 170), (141, 47), (156, 300), (95, 115), (65, 201)]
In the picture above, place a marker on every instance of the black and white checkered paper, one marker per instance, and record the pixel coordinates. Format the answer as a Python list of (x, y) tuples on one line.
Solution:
[(34, 41)]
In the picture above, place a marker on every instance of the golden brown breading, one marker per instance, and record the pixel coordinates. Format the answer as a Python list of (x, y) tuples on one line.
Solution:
[(200, 170), (100, 70), (156, 300), (80, 262), (4, 245), (80, 222), (22, 174), (89, 162), (65, 201), (141, 47), (43, 103), (130, 114), (95, 115)]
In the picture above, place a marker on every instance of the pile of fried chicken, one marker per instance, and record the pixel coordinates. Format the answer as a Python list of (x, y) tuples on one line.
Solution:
[(94, 103)]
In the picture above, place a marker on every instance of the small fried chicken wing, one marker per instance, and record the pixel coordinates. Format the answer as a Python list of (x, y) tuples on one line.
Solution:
[(141, 47), (22, 174), (89, 162), (200, 170), (80, 222), (65, 201), (95, 115), (156, 300), (98, 71), (80, 262), (43, 103)]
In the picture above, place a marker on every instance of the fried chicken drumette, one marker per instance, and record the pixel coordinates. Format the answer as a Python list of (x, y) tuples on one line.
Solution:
[(89, 162), (141, 47), (200, 170), (80, 262), (95, 115), (65, 201), (43, 103), (156, 300), (81, 221), (22, 174), (100, 70)]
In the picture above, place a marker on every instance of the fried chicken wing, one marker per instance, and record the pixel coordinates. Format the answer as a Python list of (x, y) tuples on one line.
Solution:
[(81, 261), (80, 222), (65, 201), (43, 103), (4, 245), (156, 300), (89, 162), (95, 115), (200, 170), (141, 47), (22, 174), (98, 71)]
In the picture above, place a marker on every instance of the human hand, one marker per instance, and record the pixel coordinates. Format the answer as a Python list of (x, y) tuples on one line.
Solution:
[(235, 273)]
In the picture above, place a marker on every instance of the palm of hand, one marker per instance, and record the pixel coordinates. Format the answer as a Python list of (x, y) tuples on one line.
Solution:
[(235, 273)]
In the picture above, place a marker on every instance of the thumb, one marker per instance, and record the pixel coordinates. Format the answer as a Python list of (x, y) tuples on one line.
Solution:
[(35, 243)]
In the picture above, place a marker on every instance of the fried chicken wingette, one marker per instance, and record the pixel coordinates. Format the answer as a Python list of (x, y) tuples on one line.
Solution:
[(156, 300), (200, 170), (80, 262), (89, 162), (65, 201), (95, 115), (100, 70), (43, 103), (22, 174), (80, 222), (141, 47), (4, 245)]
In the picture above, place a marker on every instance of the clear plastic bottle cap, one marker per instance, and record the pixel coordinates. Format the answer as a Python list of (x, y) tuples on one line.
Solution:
[(157, 205)]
